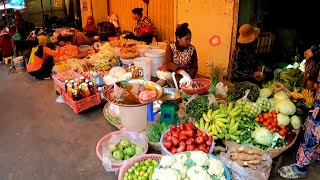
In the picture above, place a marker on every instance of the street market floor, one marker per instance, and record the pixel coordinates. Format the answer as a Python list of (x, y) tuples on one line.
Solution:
[(41, 139)]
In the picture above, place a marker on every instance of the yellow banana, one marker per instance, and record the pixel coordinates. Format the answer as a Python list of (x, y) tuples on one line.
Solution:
[(218, 129), (205, 117), (214, 129), (201, 123), (209, 113)]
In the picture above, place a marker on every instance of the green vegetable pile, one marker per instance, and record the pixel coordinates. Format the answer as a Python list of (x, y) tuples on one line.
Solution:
[(113, 119), (238, 91), (247, 126), (198, 106), (155, 132), (291, 78)]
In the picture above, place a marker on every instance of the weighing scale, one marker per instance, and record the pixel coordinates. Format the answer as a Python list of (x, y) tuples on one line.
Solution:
[(170, 105)]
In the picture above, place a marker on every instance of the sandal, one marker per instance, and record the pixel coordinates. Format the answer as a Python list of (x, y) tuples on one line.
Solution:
[(291, 172)]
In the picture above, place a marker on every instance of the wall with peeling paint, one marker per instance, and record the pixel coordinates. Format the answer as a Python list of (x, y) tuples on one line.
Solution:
[(209, 18)]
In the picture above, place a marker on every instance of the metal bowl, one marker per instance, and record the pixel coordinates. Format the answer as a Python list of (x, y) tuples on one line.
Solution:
[(171, 95)]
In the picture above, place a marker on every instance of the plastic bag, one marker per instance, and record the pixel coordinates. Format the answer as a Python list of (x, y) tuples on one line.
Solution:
[(241, 173), (222, 89), (111, 165)]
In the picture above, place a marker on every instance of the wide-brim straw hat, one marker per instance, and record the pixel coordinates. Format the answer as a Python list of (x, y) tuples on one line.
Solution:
[(247, 34)]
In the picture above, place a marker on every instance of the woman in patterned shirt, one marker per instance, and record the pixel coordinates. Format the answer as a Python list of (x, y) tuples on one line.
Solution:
[(144, 30), (181, 57)]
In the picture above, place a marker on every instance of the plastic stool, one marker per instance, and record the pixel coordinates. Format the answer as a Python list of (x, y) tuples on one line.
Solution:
[(6, 60)]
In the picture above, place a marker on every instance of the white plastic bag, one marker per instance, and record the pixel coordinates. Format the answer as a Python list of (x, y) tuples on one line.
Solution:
[(241, 173), (222, 89), (111, 165)]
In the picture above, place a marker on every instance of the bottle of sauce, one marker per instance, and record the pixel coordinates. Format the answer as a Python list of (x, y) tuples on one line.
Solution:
[(82, 80), (85, 90), (69, 90), (66, 85), (91, 88)]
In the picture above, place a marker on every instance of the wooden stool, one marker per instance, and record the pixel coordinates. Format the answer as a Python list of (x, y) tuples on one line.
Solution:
[(6, 60)]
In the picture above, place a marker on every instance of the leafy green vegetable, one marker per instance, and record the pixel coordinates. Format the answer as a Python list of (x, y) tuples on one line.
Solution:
[(113, 119), (198, 106), (238, 91), (155, 132)]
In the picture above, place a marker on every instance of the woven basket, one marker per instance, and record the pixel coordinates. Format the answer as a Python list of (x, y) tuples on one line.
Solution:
[(272, 152), (134, 160)]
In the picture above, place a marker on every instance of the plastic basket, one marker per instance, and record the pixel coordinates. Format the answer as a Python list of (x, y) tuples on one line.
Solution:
[(134, 160), (60, 75), (83, 104), (164, 150), (200, 91)]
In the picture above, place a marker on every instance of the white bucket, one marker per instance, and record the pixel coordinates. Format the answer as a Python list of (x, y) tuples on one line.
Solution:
[(156, 56), (19, 63), (145, 64), (133, 119), (126, 61)]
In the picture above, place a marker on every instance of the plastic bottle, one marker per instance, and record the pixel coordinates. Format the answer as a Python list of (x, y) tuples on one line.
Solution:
[(91, 88), (66, 85), (85, 90), (69, 90)]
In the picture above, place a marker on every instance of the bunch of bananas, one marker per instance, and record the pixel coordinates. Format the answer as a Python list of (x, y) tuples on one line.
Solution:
[(222, 123), (308, 96)]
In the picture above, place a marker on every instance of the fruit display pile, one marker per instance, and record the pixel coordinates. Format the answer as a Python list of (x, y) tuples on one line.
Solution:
[(186, 137), (141, 170), (124, 150)]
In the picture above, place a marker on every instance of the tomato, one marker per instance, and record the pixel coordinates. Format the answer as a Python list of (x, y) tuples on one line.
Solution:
[(274, 129), (281, 126), (183, 132), (182, 147), (282, 132), (190, 126), (205, 137), (266, 116), (261, 120), (260, 116), (189, 133), (274, 124), (183, 137), (167, 144), (173, 150), (175, 134), (175, 141), (270, 127), (209, 142), (265, 124), (173, 128), (269, 121), (191, 147), (182, 126), (199, 132), (273, 112), (274, 116), (203, 148), (196, 149), (190, 141), (257, 119), (199, 140)]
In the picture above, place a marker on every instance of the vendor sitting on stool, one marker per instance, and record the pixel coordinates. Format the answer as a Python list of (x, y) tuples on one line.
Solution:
[(181, 58), (90, 29), (144, 30), (41, 59)]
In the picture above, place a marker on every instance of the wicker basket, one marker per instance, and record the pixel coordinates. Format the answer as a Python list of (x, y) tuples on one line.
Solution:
[(134, 160), (272, 152)]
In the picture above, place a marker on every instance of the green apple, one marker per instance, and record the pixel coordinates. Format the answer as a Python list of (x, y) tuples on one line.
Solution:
[(126, 157), (125, 143), (112, 147), (120, 147), (139, 149), (118, 155), (130, 151)]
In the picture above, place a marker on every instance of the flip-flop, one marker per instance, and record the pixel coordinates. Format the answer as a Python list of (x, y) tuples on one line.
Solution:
[(290, 172)]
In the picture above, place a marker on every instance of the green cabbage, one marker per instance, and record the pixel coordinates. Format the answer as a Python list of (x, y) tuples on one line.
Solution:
[(285, 107), (283, 119), (265, 92), (262, 136), (295, 122), (281, 96)]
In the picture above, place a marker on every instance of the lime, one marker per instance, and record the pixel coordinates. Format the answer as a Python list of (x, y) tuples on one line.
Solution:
[(146, 174), (150, 171), (144, 168), (130, 170), (144, 178)]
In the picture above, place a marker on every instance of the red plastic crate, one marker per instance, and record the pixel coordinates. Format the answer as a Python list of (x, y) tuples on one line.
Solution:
[(60, 75), (83, 104)]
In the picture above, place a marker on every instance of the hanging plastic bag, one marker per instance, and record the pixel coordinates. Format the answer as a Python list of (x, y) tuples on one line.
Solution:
[(222, 89), (238, 172), (138, 139), (17, 37)]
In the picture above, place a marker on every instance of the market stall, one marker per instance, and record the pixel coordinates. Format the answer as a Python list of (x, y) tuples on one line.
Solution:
[(244, 125)]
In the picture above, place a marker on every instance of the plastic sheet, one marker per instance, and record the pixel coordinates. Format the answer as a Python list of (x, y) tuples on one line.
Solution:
[(112, 165), (242, 173)]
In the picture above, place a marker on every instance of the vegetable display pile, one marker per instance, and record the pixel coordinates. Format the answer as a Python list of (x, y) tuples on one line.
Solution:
[(190, 165), (198, 106), (124, 150), (238, 91), (247, 157), (186, 137), (155, 132), (141, 170), (222, 123)]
